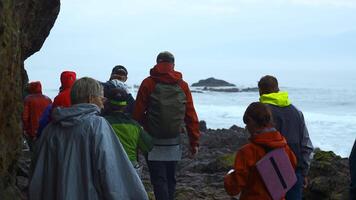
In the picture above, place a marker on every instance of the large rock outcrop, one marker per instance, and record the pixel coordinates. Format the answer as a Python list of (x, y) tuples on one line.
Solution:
[(24, 26)]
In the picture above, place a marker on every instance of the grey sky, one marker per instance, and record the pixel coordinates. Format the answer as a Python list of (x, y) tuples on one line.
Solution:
[(237, 40)]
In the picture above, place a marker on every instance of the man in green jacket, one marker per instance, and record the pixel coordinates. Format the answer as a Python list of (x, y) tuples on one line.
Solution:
[(131, 134)]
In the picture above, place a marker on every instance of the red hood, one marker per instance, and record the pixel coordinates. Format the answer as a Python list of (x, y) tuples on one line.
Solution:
[(164, 72), (67, 79), (35, 87), (271, 140)]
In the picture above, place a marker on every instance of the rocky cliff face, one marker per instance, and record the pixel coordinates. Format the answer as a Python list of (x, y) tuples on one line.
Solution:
[(24, 26)]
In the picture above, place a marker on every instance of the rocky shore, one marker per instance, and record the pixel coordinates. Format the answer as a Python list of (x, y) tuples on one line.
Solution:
[(202, 177)]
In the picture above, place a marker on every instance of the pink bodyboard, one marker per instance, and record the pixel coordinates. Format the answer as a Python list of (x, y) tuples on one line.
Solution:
[(277, 173)]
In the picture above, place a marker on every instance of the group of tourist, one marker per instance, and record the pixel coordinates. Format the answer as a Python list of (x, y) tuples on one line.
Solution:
[(86, 143)]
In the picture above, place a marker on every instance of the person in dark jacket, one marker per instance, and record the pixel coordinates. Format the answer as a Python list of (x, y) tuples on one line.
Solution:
[(167, 151), (289, 121), (117, 79), (34, 105), (352, 160)]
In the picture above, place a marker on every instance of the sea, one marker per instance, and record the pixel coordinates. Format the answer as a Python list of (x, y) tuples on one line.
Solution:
[(329, 112)]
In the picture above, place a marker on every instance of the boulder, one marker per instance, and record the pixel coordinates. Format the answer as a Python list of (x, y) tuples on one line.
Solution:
[(329, 177)]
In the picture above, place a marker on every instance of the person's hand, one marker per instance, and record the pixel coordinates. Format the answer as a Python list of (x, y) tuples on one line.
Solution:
[(305, 182), (193, 152)]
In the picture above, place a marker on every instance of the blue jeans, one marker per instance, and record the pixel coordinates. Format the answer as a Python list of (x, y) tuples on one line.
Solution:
[(163, 178), (296, 192)]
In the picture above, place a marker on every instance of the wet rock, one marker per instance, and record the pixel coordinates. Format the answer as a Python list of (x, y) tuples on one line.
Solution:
[(202, 177), (253, 89), (236, 128), (234, 89), (329, 177)]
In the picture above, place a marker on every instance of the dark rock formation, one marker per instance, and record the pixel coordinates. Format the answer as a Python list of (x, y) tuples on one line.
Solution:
[(212, 82), (329, 177), (253, 89), (202, 178), (234, 89), (230, 89), (24, 26), (216, 85)]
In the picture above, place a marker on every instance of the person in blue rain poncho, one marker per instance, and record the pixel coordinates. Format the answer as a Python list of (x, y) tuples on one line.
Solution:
[(79, 155)]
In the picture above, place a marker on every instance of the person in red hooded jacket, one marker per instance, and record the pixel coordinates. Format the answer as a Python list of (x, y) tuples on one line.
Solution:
[(162, 159), (34, 105), (245, 179), (63, 98)]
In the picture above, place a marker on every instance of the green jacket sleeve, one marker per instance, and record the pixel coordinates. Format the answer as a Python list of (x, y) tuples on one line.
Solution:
[(145, 141)]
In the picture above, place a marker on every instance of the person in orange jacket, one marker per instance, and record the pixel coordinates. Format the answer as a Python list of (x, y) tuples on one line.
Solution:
[(63, 98), (162, 159), (34, 105), (245, 179)]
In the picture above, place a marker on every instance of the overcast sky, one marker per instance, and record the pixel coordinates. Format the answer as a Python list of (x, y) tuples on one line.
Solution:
[(229, 39)]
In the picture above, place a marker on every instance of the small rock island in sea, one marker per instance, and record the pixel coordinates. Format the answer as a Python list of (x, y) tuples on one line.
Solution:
[(217, 85), (212, 82)]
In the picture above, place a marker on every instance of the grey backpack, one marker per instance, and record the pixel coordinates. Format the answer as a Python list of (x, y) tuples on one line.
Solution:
[(166, 111)]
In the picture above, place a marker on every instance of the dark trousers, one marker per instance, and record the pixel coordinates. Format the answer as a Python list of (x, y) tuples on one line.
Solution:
[(163, 178), (296, 192)]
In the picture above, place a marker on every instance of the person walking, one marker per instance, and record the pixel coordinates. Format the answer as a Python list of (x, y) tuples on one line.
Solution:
[(34, 105), (117, 79), (245, 179), (289, 121), (164, 106), (79, 155), (131, 134)]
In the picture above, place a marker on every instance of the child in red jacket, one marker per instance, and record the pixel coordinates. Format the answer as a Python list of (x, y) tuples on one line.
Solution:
[(245, 179)]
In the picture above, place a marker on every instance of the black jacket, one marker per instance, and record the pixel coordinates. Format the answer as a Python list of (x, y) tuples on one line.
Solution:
[(352, 161), (289, 121)]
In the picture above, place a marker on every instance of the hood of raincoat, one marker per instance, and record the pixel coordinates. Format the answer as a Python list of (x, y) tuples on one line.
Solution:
[(35, 87), (164, 72), (272, 139), (115, 83), (75, 114), (67, 79), (279, 99)]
